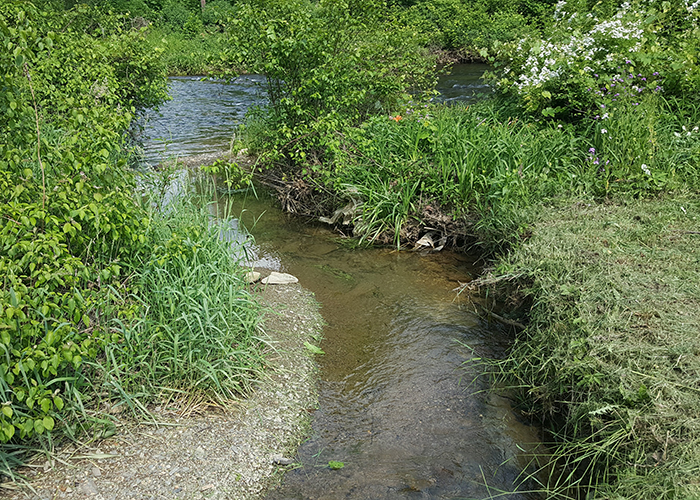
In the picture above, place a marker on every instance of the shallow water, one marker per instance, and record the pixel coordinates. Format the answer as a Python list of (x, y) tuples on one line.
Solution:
[(397, 404), (400, 404)]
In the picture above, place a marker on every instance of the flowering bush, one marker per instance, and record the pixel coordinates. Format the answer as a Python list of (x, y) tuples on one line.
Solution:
[(554, 76)]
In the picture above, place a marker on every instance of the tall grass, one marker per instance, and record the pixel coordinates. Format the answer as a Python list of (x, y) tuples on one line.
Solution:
[(497, 166), (197, 329), (469, 160)]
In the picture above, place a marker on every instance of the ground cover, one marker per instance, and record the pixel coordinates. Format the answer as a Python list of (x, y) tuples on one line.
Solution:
[(610, 356)]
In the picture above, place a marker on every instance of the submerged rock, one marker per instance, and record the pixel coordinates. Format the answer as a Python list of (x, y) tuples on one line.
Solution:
[(276, 278)]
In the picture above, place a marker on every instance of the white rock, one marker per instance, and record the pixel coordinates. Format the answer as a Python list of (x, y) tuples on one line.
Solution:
[(276, 278), (252, 276)]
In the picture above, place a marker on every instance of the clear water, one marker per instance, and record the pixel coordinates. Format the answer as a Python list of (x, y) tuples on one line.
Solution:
[(400, 403)]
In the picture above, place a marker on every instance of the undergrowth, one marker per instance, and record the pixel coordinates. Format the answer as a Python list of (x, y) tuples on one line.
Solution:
[(198, 326), (610, 357)]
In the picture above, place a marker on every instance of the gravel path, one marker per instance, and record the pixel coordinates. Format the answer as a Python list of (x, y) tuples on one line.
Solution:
[(202, 452)]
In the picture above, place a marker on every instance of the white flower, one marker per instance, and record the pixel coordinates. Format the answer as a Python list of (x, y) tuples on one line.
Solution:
[(603, 131), (645, 169)]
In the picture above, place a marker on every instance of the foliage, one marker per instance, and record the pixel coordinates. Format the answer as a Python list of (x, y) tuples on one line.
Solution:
[(198, 328), (608, 357), (72, 82), (328, 65), (234, 177), (471, 27), (588, 50)]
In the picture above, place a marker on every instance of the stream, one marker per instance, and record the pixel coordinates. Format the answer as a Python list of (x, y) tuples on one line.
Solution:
[(401, 405)]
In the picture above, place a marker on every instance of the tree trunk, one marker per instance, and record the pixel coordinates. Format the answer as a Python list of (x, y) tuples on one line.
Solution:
[(204, 2)]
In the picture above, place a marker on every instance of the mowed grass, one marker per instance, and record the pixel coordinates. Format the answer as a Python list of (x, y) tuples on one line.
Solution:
[(610, 359)]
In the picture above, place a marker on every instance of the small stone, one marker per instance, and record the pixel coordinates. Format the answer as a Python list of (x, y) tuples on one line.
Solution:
[(199, 453), (276, 278), (280, 460), (252, 277), (89, 488), (96, 472)]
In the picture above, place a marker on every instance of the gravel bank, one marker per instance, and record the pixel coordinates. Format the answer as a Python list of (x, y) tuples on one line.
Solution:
[(197, 452)]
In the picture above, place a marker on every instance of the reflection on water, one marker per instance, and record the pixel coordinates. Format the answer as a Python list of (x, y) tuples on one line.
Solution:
[(203, 114), (201, 117), (397, 405)]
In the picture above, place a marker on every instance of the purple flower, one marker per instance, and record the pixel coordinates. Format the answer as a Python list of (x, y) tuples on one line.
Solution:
[(635, 104), (655, 73), (592, 150), (595, 162), (628, 61), (644, 79)]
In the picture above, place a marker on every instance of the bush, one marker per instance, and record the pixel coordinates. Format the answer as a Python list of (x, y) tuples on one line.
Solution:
[(589, 50), (72, 83), (328, 65)]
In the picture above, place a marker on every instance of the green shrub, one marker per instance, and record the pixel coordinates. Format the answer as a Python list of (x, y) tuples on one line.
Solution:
[(72, 82), (328, 65)]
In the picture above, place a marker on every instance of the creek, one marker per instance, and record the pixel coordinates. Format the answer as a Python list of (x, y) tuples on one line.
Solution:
[(401, 404)]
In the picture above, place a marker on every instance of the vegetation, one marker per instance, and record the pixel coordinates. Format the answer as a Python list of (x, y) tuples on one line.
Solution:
[(574, 176), (107, 298), (580, 177)]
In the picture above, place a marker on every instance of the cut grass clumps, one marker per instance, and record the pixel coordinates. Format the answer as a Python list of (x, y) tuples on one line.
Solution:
[(198, 331), (611, 356)]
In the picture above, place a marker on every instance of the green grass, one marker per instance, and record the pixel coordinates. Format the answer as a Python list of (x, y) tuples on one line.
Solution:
[(198, 327), (200, 55), (610, 358)]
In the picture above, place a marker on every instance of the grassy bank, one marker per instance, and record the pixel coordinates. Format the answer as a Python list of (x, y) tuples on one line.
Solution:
[(110, 299), (609, 360)]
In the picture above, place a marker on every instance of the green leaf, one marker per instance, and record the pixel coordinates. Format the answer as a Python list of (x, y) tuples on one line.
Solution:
[(48, 423), (8, 430), (334, 465), (313, 349), (7, 410), (58, 402)]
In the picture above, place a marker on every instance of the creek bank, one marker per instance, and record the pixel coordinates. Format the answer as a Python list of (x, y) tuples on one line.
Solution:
[(194, 450), (610, 357)]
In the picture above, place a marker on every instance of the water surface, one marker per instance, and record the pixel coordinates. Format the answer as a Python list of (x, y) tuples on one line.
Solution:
[(398, 406)]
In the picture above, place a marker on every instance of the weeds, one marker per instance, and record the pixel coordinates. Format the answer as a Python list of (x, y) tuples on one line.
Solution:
[(610, 354), (198, 330)]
